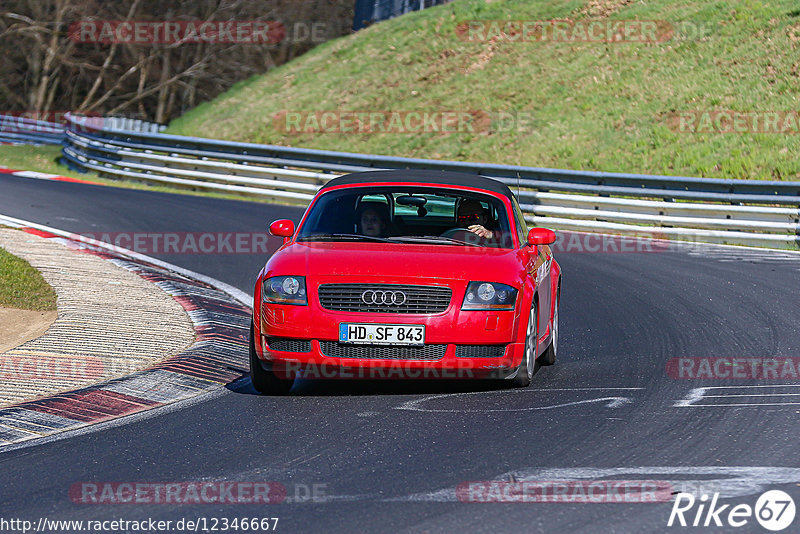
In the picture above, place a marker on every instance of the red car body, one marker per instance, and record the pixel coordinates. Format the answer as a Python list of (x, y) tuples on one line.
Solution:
[(468, 343)]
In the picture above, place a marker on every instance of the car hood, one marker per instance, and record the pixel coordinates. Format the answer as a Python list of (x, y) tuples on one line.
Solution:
[(388, 260)]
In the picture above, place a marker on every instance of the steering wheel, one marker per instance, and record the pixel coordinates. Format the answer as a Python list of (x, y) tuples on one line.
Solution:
[(462, 234)]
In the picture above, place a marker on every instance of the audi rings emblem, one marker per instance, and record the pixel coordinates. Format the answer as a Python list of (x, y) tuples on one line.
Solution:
[(383, 298)]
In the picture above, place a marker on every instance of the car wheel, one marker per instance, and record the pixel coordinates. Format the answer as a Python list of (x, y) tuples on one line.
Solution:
[(529, 364), (265, 381), (549, 356)]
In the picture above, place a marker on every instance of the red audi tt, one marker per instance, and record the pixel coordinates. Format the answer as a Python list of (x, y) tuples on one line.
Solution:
[(406, 274)]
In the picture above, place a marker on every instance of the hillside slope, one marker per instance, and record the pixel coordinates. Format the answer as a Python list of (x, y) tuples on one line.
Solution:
[(610, 106)]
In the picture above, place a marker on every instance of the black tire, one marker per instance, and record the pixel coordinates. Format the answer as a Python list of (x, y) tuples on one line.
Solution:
[(265, 381), (529, 364), (548, 357)]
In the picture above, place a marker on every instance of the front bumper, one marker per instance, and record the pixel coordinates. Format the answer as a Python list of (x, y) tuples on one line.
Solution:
[(316, 364), (458, 343), (461, 345)]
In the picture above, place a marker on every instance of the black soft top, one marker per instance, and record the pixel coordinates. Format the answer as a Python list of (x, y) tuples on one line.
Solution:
[(418, 176)]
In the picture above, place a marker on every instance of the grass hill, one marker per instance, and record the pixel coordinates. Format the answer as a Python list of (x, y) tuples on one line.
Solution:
[(609, 106)]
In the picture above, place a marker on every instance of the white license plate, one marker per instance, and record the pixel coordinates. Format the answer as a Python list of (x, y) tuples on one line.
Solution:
[(382, 334)]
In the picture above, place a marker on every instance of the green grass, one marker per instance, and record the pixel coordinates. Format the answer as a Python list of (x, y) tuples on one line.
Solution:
[(36, 158), (594, 106), (22, 286)]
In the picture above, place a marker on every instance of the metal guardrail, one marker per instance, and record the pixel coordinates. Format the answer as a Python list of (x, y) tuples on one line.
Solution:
[(23, 130), (134, 125), (749, 212), (368, 12)]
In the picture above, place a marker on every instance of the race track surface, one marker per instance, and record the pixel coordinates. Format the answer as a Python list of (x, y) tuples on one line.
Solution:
[(388, 456)]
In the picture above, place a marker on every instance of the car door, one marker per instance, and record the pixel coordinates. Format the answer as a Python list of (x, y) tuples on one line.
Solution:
[(537, 267), (544, 257)]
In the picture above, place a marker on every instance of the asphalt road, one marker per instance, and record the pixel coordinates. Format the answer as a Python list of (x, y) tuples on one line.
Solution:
[(388, 457)]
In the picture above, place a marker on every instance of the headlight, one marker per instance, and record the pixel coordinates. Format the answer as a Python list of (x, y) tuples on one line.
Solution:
[(285, 290), (489, 296)]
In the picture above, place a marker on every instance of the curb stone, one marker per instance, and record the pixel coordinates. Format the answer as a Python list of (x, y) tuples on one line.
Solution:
[(218, 356)]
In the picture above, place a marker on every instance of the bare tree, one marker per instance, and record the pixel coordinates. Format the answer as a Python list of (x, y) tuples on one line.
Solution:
[(45, 67)]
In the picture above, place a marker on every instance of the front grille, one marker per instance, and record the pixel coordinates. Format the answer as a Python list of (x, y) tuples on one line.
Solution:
[(417, 299), (288, 344), (382, 352), (480, 351)]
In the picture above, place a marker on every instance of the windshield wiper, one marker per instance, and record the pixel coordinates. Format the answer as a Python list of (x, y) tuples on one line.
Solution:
[(338, 237), (433, 239), (398, 239)]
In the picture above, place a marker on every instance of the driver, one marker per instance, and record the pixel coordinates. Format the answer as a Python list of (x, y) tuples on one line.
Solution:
[(473, 217)]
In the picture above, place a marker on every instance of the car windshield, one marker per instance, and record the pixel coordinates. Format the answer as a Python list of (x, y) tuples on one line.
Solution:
[(409, 215)]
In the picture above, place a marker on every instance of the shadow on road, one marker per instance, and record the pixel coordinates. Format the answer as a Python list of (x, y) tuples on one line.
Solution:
[(337, 388)]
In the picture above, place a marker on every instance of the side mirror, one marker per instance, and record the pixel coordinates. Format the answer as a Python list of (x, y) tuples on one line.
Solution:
[(282, 228), (541, 236)]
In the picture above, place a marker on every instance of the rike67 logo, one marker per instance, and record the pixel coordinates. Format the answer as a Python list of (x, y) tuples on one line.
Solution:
[(774, 510)]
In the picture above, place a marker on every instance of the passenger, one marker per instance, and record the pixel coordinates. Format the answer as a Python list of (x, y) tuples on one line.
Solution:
[(373, 219)]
